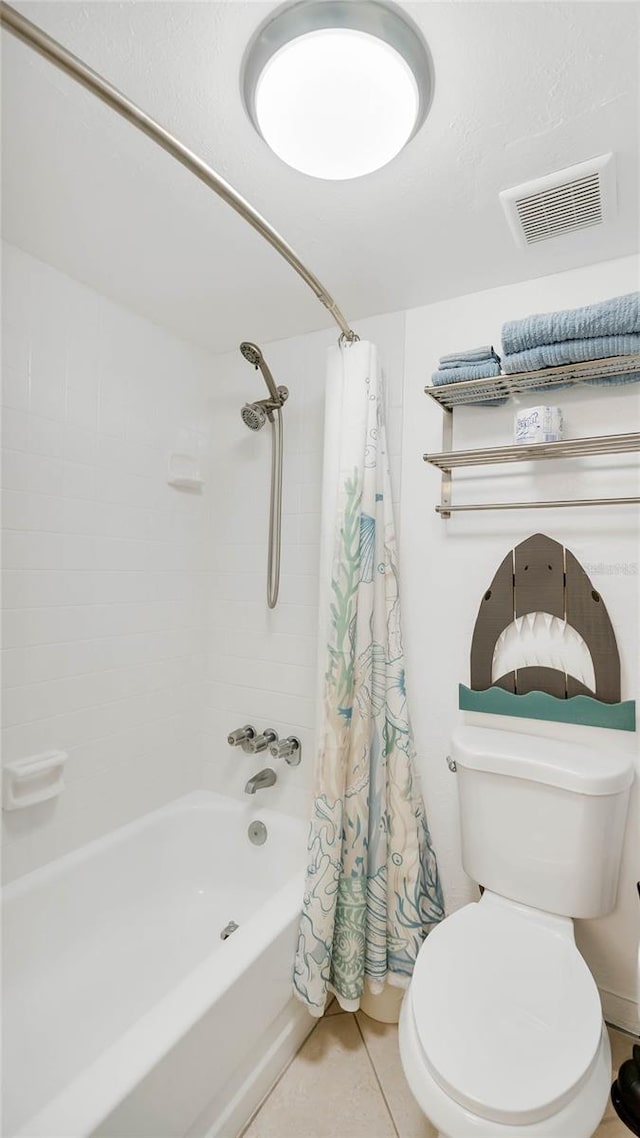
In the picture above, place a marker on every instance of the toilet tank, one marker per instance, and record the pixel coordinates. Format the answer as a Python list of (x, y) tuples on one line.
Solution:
[(542, 821)]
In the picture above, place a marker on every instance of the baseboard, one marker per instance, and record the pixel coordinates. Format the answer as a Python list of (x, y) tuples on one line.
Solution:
[(620, 1011), (234, 1107)]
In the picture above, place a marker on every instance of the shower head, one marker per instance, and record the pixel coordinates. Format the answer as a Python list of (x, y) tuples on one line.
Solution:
[(251, 352), (253, 416), (253, 355)]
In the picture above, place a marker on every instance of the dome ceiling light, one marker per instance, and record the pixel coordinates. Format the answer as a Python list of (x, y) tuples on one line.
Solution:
[(337, 87)]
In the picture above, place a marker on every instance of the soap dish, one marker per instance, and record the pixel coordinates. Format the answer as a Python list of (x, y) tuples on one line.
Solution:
[(25, 782), (184, 473)]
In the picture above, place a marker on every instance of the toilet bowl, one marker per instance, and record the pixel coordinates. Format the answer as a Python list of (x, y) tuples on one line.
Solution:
[(501, 1031)]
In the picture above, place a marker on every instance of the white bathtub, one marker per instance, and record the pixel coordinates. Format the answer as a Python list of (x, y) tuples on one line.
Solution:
[(124, 1013)]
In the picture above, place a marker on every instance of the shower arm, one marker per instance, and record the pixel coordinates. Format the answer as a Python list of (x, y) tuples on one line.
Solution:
[(38, 40)]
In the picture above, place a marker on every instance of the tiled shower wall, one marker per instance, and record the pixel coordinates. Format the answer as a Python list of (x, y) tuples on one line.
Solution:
[(262, 664), (136, 629), (104, 583)]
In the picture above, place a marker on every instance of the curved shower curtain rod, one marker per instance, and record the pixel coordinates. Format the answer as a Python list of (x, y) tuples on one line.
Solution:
[(35, 38)]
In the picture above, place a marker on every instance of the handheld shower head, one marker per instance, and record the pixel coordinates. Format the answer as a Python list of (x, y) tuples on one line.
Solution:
[(253, 355), (251, 352), (253, 416)]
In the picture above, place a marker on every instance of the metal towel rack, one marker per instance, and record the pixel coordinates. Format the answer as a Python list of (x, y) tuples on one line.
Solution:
[(478, 391)]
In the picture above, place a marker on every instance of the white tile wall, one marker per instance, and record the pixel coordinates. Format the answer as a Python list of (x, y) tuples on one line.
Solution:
[(104, 564), (136, 632), (262, 665)]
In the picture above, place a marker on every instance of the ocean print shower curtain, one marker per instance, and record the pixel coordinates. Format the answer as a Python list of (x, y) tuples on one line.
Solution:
[(372, 891)]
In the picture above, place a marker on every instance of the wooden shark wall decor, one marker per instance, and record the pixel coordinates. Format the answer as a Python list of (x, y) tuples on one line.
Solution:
[(540, 585)]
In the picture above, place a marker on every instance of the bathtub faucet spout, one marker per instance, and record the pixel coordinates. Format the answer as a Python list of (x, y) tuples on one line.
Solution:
[(267, 777)]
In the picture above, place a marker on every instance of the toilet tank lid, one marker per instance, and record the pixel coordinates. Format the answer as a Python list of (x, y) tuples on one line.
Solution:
[(571, 766)]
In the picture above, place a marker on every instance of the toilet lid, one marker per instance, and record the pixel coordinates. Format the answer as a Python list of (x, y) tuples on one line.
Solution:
[(506, 1011)]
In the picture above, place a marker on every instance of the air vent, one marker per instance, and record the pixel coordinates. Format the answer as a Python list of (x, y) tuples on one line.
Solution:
[(579, 197)]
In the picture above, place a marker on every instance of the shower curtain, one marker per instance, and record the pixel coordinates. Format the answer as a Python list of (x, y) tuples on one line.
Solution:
[(372, 891)]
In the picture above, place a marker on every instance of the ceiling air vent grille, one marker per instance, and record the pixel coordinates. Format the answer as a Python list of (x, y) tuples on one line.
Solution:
[(574, 206), (569, 200)]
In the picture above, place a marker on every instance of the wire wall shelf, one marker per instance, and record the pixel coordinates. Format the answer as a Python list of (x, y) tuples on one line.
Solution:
[(568, 448), (502, 387), (450, 395)]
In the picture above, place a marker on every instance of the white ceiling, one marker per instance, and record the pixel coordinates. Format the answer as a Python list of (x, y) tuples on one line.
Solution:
[(522, 89)]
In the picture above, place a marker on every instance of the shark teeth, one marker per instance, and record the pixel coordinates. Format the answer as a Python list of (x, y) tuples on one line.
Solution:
[(542, 640)]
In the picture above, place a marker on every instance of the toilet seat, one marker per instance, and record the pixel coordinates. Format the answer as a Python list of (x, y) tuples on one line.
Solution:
[(506, 1012)]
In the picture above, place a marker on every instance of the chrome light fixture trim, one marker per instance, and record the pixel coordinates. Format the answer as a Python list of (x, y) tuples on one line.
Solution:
[(384, 21)]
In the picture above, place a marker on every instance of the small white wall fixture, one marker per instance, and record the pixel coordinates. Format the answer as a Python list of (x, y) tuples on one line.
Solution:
[(26, 782)]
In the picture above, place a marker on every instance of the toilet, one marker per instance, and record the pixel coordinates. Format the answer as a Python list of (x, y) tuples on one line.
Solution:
[(501, 1030)]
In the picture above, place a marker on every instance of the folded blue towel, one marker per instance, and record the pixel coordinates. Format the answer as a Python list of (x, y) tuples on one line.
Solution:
[(471, 356), (469, 371), (571, 352), (618, 316), (485, 370)]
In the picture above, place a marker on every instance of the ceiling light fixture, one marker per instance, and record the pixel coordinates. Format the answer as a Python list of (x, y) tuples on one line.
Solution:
[(337, 87)]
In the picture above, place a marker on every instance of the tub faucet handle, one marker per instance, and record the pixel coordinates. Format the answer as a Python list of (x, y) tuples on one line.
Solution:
[(242, 736), (261, 742), (289, 749)]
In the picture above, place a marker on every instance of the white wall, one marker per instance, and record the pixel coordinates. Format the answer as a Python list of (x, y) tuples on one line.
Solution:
[(136, 633), (104, 562), (262, 664), (446, 566), (136, 628)]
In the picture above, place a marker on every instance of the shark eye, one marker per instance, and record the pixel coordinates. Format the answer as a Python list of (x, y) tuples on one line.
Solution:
[(550, 567), (596, 596), (487, 595)]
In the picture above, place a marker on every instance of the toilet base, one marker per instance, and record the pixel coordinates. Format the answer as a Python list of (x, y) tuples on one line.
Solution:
[(578, 1118)]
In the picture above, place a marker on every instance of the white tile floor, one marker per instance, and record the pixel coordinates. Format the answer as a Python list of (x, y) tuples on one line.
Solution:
[(347, 1080)]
